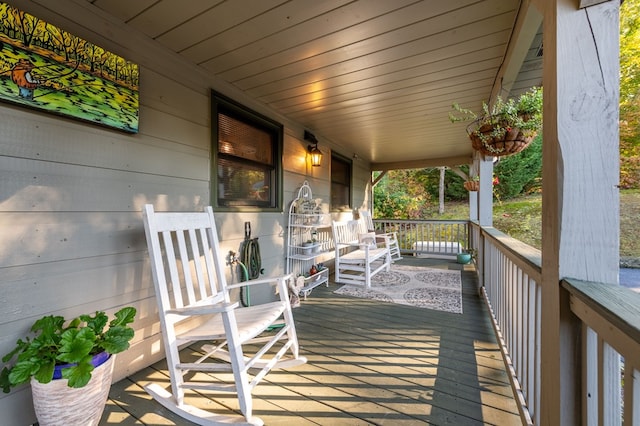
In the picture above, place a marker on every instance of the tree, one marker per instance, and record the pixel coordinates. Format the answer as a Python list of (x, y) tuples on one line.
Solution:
[(402, 194), (519, 173), (630, 94)]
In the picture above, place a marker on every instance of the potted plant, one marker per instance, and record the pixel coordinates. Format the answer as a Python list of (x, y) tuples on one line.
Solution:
[(505, 128), (473, 184), (466, 256), (310, 246), (69, 365)]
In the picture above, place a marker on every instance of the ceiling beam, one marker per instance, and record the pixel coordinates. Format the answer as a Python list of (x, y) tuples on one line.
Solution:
[(525, 29), (423, 164)]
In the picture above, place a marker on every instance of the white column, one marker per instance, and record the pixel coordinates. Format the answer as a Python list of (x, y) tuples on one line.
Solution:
[(473, 195), (485, 194), (580, 216)]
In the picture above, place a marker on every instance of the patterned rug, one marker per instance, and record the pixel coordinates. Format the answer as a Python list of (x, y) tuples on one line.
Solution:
[(429, 288)]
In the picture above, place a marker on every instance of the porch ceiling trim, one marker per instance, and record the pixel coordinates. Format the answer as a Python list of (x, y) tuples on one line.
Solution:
[(422, 164), (526, 27)]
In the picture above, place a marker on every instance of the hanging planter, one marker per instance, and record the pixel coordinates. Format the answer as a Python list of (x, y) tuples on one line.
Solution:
[(471, 185), (507, 127), (500, 140)]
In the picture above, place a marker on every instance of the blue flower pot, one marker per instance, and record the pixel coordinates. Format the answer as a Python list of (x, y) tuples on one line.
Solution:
[(463, 258), (97, 360)]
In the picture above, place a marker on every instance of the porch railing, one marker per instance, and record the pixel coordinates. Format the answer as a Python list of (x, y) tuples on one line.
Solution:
[(610, 321), (510, 282), (428, 237)]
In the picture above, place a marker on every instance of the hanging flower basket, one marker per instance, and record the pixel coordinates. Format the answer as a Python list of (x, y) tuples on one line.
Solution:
[(505, 128), (471, 185), (500, 139)]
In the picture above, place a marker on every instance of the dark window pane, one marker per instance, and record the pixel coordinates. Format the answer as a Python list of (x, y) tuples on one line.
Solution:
[(340, 183), (340, 172), (339, 196), (241, 184), (246, 168)]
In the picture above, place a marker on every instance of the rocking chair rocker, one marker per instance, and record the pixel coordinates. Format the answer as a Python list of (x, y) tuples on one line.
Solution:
[(194, 305)]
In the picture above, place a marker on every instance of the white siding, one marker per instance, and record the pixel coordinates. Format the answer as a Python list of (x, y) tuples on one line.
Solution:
[(71, 195)]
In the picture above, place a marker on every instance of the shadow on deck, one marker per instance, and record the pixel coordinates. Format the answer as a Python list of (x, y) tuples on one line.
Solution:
[(369, 363)]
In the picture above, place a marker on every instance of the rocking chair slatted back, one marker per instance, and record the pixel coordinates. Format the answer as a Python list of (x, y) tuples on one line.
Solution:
[(194, 305), (193, 271)]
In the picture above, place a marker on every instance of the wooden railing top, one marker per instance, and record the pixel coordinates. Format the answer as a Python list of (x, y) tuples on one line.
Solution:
[(619, 305), (445, 221), (528, 258)]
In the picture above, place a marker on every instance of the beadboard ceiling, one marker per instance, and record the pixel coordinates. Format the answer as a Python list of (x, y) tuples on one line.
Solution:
[(375, 78)]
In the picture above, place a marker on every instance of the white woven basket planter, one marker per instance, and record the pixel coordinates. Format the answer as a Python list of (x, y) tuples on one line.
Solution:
[(56, 404)]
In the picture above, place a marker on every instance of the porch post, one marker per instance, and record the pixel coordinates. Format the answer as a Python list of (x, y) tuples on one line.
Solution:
[(485, 194), (473, 195), (580, 200)]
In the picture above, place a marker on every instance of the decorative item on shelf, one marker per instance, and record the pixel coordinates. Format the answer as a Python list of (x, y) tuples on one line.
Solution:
[(314, 152), (507, 127), (307, 247), (69, 366)]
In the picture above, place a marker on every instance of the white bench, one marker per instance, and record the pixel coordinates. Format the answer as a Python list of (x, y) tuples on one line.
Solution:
[(356, 262), (436, 248), (367, 223)]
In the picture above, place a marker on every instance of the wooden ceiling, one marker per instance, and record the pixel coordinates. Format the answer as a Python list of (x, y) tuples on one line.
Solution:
[(374, 78)]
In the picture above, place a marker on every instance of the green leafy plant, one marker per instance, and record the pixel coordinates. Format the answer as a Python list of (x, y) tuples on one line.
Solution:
[(521, 115), (53, 344), (471, 251)]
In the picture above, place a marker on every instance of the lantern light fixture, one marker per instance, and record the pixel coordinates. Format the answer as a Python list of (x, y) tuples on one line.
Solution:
[(314, 152)]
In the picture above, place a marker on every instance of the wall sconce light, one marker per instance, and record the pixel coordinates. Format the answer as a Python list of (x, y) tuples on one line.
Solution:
[(316, 154)]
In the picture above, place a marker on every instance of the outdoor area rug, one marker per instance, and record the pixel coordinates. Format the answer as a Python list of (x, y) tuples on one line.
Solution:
[(429, 288)]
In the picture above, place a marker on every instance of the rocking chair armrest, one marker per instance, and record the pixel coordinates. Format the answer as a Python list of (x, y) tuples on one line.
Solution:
[(355, 244), (382, 238), (390, 234), (204, 309), (260, 281)]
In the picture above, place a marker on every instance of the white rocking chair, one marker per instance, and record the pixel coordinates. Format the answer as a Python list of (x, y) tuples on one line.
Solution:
[(194, 305), (394, 247)]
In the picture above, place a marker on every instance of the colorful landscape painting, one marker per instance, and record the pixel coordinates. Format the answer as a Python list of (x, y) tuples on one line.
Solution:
[(44, 67)]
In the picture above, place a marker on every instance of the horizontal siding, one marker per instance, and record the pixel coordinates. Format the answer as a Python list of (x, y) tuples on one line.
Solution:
[(70, 201), (46, 186)]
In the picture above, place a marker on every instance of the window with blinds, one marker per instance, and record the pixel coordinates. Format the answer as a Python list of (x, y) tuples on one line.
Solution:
[(247, 150)]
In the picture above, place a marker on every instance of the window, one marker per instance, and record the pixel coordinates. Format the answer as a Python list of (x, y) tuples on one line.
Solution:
[(246, 167), (340, 182)]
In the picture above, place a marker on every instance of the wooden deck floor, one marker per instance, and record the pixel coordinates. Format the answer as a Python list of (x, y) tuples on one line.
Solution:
[(369, 363)]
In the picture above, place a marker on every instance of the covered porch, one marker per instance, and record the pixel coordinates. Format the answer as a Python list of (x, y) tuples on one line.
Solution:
[(370, 362), (363, 79)]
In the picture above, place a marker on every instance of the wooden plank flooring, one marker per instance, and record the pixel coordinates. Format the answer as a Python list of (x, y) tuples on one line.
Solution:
[(369, 363)]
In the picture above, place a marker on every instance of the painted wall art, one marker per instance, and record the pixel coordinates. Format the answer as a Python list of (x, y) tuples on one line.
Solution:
[(46, 68)]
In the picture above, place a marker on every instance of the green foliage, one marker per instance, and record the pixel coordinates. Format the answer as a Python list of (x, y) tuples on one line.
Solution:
[(525, 114), (629, 51), (54, 343), (403, 194), (519, 173), (521, 218), (630, 94)]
